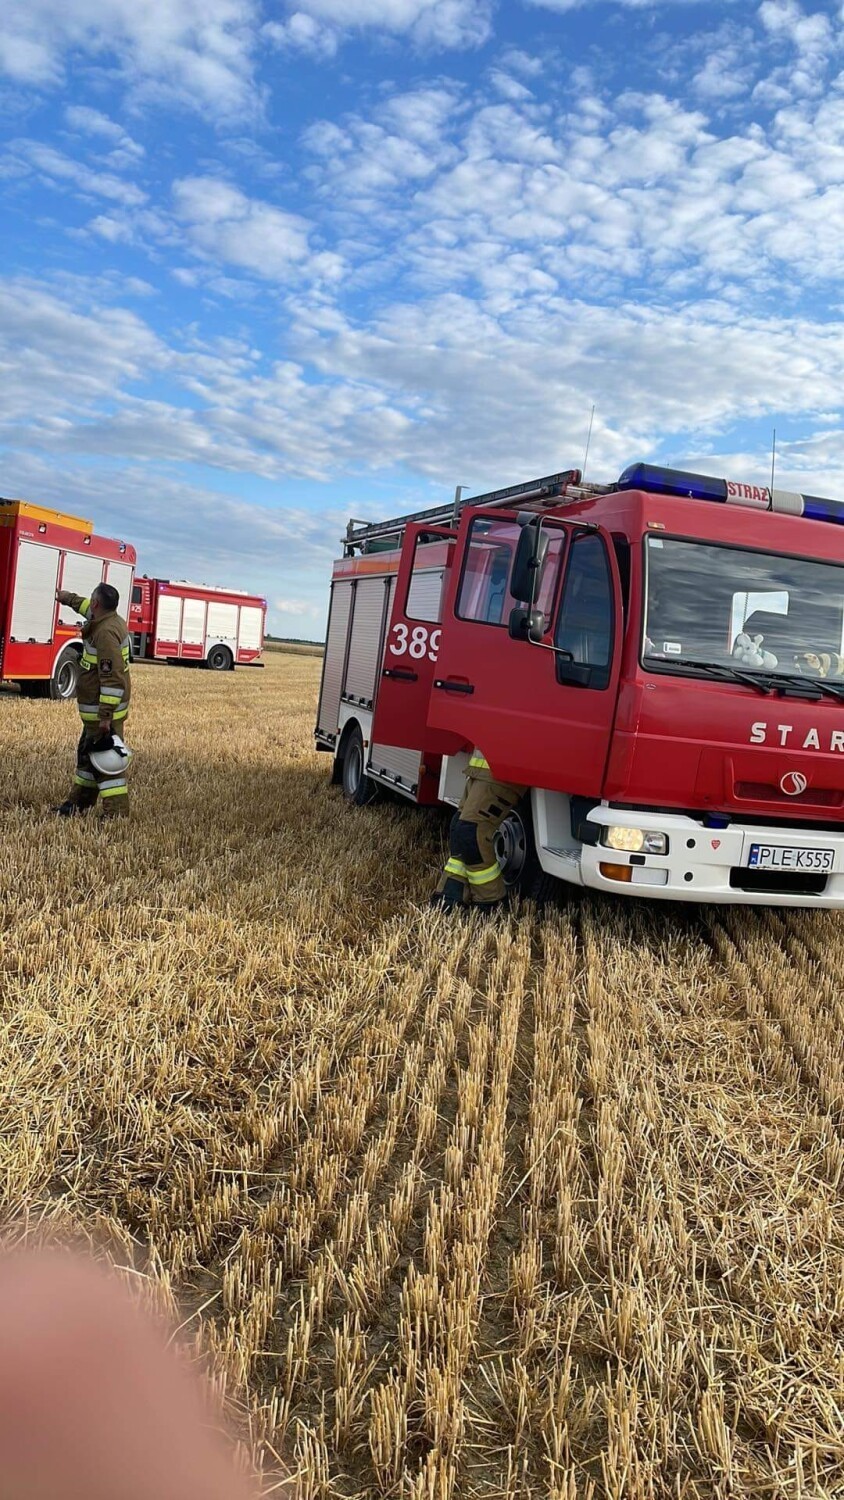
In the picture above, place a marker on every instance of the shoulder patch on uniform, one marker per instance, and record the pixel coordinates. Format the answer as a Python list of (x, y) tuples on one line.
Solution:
[(105, 665)]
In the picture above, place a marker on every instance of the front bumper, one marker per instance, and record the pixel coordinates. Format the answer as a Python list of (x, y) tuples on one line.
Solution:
[(709, 864)]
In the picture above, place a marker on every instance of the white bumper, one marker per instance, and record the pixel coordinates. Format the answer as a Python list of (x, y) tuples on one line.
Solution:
[(707, 864)]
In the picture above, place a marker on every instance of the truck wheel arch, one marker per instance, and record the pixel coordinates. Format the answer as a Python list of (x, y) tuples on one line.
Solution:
[(65, 673)]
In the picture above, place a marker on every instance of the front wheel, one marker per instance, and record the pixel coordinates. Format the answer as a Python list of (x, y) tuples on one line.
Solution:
[(358, 788), (220, 659), (515, 850), (65, 676)]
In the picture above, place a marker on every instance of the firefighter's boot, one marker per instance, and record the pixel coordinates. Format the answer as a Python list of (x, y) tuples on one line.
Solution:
[(114, 801), (82, 798), (451, 893)]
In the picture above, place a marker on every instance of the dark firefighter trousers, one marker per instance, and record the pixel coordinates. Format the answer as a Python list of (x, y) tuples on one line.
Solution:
[(89, 784), (472, 874)]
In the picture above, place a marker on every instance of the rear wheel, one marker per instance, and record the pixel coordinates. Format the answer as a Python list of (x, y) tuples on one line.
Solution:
[(515, 850), (62, 684), (358, 788), (220, 659)]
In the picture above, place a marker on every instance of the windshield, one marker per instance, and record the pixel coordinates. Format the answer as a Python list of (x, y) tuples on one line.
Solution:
[(752, 611)]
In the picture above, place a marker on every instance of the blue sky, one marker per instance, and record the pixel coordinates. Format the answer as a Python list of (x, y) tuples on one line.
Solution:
[(267, 265)]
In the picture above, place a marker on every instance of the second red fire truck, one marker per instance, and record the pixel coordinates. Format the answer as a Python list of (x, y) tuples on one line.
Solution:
[(658, 661), (171, 620)]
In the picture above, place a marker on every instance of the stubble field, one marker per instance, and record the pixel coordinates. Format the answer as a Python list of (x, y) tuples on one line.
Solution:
[(548, 1208)]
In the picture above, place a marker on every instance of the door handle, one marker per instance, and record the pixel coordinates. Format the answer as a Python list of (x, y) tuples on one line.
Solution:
[(454, 687), (401, 674)]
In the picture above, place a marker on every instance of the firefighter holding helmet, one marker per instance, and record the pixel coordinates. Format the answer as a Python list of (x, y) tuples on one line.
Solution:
[(472, 875), (102, 693)]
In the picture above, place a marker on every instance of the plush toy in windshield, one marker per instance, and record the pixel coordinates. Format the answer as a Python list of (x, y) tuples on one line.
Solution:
[(748, 652), (821, 663)]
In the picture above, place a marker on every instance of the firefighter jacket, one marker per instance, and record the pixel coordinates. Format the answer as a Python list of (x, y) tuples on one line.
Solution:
[(104, 689)]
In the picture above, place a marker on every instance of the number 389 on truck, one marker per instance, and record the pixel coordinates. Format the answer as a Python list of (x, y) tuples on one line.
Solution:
[(658, 661)]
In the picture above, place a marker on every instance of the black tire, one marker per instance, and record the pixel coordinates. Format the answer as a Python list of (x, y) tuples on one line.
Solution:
[(515, 849), (358, 788), (62, 684), (220, 659)]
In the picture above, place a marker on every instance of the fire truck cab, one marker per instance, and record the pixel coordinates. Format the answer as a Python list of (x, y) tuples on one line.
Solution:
[(659, 662)]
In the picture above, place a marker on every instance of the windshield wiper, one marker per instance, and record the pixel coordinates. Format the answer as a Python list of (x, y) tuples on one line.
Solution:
[(818, 684), (721, 670)]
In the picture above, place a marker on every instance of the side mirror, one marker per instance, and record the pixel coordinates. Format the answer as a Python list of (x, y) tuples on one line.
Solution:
[(531, 552), (526, 624)]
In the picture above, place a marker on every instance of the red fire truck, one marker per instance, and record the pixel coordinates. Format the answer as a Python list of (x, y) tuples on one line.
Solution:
[(171, 620), (659, 661), (42, 551)]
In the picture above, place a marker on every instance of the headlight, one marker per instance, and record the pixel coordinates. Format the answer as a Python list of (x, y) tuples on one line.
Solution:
[(635, 840)]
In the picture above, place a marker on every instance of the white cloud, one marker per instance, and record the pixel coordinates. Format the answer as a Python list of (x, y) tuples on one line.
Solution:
[(299, 607), (221, 222), (508, 86), (365, 161), (562, 6), (91, 122), (318, 26), (86, 121), (809, 40), (303, 33), (517, 61), (58, 169), (196, 51)]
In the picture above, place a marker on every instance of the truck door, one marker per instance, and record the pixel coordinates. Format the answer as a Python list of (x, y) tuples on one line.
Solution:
[(411, 648), (541, 714)]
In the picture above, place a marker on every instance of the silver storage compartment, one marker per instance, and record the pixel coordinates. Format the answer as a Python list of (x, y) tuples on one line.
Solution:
[(334, 660)]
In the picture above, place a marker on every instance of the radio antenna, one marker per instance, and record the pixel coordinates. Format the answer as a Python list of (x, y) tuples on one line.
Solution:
[(773, 464), (588, 440)]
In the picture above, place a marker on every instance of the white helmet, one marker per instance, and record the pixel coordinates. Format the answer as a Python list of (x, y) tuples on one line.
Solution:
[(112, 759)]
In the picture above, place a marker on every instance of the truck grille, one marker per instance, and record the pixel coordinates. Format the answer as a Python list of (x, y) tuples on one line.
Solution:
[(777, 882)]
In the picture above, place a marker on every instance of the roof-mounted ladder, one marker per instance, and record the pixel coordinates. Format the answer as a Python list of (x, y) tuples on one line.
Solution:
[(548, 490)]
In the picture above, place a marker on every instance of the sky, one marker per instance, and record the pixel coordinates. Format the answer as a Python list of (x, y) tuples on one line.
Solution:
[(269, 265)]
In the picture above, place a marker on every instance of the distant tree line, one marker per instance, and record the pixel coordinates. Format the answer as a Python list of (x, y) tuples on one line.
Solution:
[(292, 640)]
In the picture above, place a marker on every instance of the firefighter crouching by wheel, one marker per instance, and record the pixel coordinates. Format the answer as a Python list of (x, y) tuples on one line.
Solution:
[(472, 875), (103, 693)]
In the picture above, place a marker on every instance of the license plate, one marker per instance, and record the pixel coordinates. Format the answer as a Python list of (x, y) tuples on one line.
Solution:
[(786, 857)]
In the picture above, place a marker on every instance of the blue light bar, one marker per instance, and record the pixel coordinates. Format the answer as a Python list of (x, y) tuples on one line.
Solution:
[(672, 482), (658, 481)]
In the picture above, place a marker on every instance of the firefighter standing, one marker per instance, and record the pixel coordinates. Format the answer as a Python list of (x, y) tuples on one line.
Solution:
[(472, 875), (103, 693)]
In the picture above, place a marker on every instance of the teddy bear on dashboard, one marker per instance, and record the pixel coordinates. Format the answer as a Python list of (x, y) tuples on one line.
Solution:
[(748, 652)]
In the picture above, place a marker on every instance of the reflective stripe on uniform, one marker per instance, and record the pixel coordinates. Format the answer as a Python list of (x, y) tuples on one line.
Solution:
[(483, 877), (84, 606), (478, 762), (111, 699), (455, 867), (85, 778), (113, 789), (88, 662), (91, 713)]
